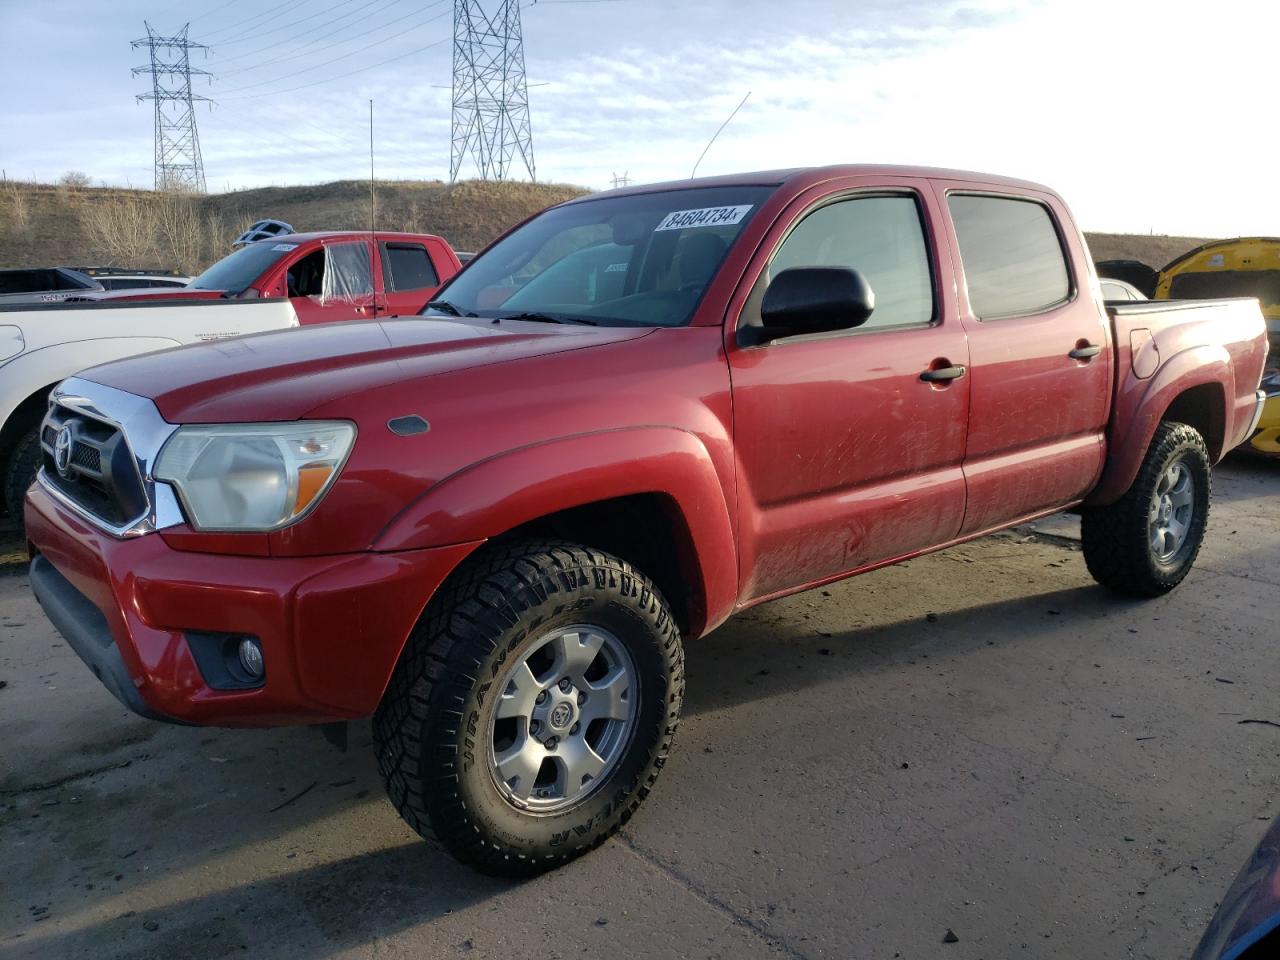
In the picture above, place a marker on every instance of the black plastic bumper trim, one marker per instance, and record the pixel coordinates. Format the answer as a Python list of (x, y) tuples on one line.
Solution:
[(84, 627)]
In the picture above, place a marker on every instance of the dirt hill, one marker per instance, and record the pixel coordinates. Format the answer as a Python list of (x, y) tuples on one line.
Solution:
[(44, 225), (1154, 251)]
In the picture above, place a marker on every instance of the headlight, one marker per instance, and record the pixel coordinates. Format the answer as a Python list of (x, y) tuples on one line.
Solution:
[(258, 476)]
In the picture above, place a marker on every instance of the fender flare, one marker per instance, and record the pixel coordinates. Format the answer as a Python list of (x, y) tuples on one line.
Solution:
[(1142, 404), (500, 493)]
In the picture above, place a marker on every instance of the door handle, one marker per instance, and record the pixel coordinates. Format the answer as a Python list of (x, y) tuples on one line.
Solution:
[(1087, 352), (942, 374)]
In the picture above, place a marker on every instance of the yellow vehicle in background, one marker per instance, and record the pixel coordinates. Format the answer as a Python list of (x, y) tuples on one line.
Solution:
[(1244, 267)]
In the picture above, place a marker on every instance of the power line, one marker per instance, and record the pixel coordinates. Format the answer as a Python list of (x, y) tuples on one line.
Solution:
[(345, 40), (178, 165), (341, 76), (256, 19), (214, 10), (370, 46), (334, 23)]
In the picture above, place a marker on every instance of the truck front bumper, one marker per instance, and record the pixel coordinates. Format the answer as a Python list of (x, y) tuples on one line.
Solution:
[(136, 610)]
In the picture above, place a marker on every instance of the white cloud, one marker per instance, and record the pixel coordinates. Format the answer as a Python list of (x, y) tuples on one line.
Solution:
[(1143, 114)]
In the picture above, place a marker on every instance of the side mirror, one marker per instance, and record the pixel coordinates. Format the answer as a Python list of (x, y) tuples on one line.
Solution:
[(806, 300)]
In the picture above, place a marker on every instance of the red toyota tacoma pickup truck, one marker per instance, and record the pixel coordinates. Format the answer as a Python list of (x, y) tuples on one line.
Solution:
[(331, 275), (492, 527)]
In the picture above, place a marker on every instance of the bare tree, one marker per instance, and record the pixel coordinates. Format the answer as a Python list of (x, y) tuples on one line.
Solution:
[(121, 227), (179, 230), (19, 211)]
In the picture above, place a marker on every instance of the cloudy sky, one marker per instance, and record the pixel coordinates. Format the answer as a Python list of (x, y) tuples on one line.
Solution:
[(1146, 114)]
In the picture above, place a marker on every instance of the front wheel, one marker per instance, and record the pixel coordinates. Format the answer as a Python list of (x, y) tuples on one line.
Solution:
[(1145, 543), (20, 471), (533, 708)]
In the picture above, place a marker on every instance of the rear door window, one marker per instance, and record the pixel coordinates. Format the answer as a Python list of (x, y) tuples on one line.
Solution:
[(407, 266), (1013, 259)]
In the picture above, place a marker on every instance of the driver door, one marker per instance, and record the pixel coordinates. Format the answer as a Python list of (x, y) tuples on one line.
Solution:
[(332, 283), (847, 457)]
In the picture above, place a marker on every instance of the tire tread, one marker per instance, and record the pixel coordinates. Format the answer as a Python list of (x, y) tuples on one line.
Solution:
[(1114, 537), (439, 666)]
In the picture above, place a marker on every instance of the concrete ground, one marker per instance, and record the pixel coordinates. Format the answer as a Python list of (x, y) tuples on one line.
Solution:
[(979, 741)]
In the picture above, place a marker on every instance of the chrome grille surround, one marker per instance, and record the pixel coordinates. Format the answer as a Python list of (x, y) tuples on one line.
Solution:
[(115, 438)]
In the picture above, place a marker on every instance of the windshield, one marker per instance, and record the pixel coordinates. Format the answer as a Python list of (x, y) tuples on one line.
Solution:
[(640, 260), (236, 272)]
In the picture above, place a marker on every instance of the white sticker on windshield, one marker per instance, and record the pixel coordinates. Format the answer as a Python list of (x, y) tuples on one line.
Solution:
[(285, 246), (705, 217)]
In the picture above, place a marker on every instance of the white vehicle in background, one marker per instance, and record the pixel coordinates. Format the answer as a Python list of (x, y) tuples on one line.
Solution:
[(140, 282), (262, 230), (1119, 290), (42, 345), (44, 284)]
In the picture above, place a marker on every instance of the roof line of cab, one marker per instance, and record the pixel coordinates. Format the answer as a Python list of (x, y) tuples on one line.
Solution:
[(358, 232), (800, 178)]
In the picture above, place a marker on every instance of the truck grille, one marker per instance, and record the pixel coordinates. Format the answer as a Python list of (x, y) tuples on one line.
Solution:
[(100, 474)]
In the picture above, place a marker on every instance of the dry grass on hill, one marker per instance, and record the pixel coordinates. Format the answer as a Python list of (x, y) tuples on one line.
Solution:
[(1155, 251), (47, 225)]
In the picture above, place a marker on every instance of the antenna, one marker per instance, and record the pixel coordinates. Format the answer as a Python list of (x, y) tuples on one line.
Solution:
[(373, 198), (490, 93), (716, 134), (178, 162)]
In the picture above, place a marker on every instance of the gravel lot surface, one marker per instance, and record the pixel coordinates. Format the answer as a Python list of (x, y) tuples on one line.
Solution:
[(979, 741)]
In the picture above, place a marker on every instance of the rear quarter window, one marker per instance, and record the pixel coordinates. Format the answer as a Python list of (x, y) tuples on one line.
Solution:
[(1014, 264)]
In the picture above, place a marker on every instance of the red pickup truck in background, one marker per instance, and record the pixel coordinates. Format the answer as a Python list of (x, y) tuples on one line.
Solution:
[(333, 275), (492, 527)]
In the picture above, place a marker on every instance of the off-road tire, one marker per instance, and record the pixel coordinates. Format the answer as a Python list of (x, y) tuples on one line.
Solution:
[(1117, 548), (20, 470), (429, 730)]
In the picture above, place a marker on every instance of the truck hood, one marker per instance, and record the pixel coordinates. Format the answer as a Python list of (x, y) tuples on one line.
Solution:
[(282, 375)]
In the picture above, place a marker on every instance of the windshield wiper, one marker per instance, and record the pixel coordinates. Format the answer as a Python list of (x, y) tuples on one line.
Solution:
[(444, 306), (551, 318)]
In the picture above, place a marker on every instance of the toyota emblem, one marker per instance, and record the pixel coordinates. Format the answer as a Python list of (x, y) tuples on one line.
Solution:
[(62, 451), (561, 715)]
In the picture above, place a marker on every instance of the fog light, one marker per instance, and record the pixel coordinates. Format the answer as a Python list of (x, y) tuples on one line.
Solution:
[(251, 657)]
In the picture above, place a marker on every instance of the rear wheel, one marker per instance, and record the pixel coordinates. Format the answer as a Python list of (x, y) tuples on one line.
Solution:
[(1145, 543), (20, 471), (533, 708)]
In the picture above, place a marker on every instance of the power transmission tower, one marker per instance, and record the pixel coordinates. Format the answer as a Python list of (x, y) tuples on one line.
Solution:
[(622, 181), (490, 95), (178, 163)]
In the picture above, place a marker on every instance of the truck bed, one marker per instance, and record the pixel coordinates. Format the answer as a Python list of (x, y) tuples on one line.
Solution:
[(1161, 346)]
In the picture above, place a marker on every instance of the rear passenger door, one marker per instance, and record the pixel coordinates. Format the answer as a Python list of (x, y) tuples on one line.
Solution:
[(408, 276), (1039, 352)]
